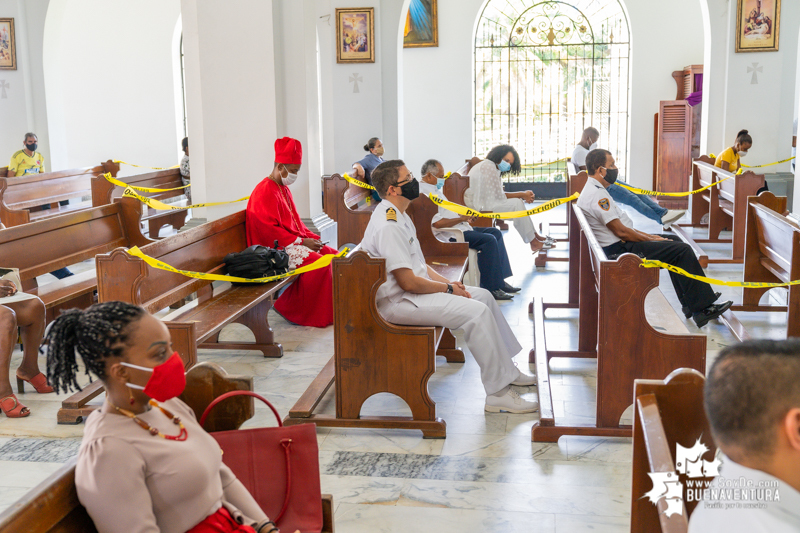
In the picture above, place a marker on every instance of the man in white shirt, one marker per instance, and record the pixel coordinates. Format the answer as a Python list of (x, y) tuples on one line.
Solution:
[(493, 260), (752, 400), (414, 294), (640, 202), (615, 233)]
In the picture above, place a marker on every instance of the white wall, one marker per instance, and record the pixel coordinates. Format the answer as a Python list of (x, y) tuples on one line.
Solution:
[(24, 107), (108, 73), (230, 77), (439, 81)]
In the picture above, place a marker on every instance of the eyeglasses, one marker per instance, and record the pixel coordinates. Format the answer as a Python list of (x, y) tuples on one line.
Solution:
[(410, 179)]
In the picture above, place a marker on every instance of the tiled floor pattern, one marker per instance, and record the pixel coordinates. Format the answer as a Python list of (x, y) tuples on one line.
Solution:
[(486, 476)]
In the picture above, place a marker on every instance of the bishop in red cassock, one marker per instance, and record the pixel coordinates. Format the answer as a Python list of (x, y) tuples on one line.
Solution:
[(272, 216)]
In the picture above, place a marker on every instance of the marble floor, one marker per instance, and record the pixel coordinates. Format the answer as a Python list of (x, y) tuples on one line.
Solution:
[(486, 476)]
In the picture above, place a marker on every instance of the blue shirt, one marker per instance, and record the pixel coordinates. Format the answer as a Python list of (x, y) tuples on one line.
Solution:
[(370, 163)]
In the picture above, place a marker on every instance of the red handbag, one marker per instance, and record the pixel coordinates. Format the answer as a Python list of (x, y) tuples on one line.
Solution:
[(278, 465)]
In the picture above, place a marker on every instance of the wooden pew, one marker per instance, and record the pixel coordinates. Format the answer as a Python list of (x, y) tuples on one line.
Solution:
[(614, 307), (103, 192), (19, 194), (772, 255), (666, 413), (372, 355), (198, 325), (349, 205), (725, 204), (53, 505), (575, 184), (46, 245)]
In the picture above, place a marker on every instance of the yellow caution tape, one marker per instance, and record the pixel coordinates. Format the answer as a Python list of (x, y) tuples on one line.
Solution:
[(358, 182), (322, 262), (656, 193), (768, 164), (546, 164), (142, 166), (161, 206), (448, 175), (461, 210), (143, 189), (651, 263)]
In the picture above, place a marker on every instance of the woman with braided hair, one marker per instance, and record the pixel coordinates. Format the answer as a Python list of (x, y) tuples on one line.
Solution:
[(145, 464)]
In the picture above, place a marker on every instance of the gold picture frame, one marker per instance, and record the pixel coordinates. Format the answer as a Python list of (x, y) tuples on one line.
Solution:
[(355, 35), (8, 46), (422, 24), (758, 25)]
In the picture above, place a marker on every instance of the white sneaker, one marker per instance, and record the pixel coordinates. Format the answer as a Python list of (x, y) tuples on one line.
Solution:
[(510, 402), (672, 216), (524, 380)]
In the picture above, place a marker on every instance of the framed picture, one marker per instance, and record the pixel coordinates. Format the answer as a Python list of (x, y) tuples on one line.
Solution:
[(355, 35), (758, 24), (422, 24), (8, 48)]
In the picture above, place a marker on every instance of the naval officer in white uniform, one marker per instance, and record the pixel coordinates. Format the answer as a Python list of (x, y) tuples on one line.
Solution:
[(416, 295)]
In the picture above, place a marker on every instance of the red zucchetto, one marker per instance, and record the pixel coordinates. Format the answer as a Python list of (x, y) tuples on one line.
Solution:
[(288, 151)]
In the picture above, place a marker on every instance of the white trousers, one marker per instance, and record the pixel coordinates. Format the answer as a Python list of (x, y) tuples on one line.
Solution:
[(523, 225), (486, 331)]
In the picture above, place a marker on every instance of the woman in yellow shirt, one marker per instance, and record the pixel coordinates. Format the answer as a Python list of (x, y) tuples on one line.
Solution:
[(729, 159)]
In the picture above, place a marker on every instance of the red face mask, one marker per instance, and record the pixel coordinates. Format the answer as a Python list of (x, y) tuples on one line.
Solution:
[(167, 382)]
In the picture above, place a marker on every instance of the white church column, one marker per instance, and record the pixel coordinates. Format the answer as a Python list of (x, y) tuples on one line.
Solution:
[(230, 96), (299, 106)]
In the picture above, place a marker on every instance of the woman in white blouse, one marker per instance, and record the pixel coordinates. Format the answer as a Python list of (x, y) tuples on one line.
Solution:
[(485, 193)]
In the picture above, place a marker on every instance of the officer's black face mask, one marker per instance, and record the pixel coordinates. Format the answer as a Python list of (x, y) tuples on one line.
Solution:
[(611, 175), (410, 190)]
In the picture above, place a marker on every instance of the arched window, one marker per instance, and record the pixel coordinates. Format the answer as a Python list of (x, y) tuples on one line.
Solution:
[(545, 71)]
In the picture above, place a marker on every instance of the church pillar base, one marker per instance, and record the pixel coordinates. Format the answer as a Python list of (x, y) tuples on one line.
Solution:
[(325, 227)]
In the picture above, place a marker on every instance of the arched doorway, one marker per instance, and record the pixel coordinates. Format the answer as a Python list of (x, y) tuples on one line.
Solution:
[(546, 70)]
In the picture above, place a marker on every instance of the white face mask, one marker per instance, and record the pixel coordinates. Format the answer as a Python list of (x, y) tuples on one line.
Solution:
[(742, 154), (289, 179), (593, 147)]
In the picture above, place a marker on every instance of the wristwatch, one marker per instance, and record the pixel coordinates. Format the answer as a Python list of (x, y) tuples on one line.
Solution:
[(449, 289)]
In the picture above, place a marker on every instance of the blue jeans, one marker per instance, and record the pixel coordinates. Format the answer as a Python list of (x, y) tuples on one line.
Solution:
[(641, 203)]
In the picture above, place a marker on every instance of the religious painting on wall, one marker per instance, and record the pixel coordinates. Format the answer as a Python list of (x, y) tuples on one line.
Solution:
[(8, 49), (422, 24), (355, 35), (758, 25)]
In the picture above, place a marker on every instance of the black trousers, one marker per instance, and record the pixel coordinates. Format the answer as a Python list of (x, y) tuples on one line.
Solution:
[(492, 257), (696, 295)]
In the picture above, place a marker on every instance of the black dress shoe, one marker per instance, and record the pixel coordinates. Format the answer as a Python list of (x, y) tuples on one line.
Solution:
[(688, 312), (500, 294), (509, 289), (710, 313)]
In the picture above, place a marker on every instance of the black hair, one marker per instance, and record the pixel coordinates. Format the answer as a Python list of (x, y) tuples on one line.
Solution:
[(371, 144), (744, 137), (497, 154), (185, 143), (596, 159), (386, 175), (95, 333), (749, 389), (429, 166)]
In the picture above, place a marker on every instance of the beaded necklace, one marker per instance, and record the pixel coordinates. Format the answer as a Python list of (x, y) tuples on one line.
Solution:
[(154, 431)]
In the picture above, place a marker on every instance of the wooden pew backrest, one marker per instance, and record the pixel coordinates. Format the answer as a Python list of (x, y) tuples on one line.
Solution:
[(666, 413), (19, 194), (43, 246), (200, 249)]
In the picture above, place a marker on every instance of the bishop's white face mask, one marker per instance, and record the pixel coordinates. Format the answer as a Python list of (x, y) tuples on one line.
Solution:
[(289, 179)]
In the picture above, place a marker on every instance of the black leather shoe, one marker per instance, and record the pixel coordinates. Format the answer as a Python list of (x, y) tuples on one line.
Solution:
[(509, 289), (688, 312), (500, 294), (710, 313)]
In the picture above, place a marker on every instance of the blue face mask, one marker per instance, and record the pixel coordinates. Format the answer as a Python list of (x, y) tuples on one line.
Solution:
[(439, 183), (504, 166)]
